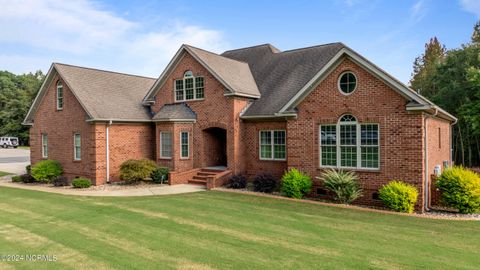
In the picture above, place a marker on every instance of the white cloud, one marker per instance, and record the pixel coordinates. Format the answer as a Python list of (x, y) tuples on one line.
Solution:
[(85, 33), (418, 10), (472, 6)]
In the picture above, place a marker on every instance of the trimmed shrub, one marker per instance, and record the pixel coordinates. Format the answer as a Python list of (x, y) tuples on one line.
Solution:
[(24, 178), (81, 182), (135, 170), (61, 181), (265, 183), (460, 189), (160, 175), (399, 196), (344, 184), (28, 168), (296, 184), (237, 181), (46, 170)]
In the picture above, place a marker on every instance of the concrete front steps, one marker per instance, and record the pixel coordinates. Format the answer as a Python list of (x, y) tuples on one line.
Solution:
[(201, 177)]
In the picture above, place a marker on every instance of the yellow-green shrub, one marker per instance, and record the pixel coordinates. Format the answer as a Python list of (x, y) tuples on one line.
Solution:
[(295, 184), (134, 170), (399, 196), (460, 189)]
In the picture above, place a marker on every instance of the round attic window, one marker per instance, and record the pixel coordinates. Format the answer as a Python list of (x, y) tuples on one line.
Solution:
[(347, 83)]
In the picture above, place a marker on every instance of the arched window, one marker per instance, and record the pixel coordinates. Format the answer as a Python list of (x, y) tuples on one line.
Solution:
[(59, 95), (187, 74), (189, 87), (348, 118), (349, 144)]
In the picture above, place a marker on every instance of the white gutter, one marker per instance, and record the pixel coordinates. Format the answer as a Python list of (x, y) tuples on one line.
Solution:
[(427, 176), (108, 150)]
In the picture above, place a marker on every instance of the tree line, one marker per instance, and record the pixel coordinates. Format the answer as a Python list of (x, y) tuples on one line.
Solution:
[(16, 95), (451, 79)]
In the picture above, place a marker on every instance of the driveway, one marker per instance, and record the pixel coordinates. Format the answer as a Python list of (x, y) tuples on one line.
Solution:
[(14, 160)]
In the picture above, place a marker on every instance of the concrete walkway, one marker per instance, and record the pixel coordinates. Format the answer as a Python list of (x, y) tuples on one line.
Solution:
[(106, 192)]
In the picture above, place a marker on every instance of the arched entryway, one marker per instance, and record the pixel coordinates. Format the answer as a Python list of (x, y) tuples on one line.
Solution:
[(215, 146)]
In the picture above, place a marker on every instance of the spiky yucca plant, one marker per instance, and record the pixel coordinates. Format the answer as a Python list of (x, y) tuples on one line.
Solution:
[(344, 184)]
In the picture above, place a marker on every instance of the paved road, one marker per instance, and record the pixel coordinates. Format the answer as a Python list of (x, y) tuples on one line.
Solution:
[(14, 160)]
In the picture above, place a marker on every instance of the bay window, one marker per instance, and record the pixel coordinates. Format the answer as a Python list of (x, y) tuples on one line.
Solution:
[(184, 145), (165, 145)]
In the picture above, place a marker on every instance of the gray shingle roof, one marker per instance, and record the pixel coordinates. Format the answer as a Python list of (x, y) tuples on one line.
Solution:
[(280, 75), (177, 111), (234, 73), (107, 95)]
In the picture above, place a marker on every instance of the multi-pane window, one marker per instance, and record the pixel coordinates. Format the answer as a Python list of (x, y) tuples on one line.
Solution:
[(184, 145), (347, 82), (44, 145), (59, 95), (349, 144), (329, 145), (369, 146), (189, 88), (77, 146), (273, 145), (165, 144)]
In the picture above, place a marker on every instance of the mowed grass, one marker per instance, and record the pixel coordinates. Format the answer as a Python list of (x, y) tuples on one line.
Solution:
[(217, 230), (4, 173)]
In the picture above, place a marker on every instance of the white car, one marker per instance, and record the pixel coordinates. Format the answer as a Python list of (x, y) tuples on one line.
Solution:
[(6, 142)]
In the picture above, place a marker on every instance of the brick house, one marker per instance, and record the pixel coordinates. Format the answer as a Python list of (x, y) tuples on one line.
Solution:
[(251, 110)]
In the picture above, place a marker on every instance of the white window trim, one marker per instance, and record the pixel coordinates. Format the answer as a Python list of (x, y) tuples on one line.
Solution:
[(75, 147), (161, 143), (358, 145), (184, 91), (44, 145), (340, 77), (188, 145), (271, 145), (59, 85)]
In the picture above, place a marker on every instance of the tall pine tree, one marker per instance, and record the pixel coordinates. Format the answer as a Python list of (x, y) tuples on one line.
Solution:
[(425, 67)]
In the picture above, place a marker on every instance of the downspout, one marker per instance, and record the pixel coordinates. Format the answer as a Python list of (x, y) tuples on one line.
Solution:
[(108, 150), (427, 176), (451, 141)]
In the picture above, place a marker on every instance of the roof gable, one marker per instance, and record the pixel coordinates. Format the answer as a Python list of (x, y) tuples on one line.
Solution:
[(234, 75), (417, 101), (104, 95), (280, 75)]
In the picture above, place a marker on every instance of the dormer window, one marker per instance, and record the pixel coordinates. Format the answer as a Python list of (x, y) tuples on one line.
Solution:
[(189, 87), (59, 95)]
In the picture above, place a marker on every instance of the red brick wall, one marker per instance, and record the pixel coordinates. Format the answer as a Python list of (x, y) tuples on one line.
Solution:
[(129, 141), (439, 150), (60, 127), (401, 133), (250, 138), (439, 143), (216, 110)]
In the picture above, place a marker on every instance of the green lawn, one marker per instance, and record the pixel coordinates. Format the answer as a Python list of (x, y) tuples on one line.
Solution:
[(217, 230), (4, 173), (24, 147)]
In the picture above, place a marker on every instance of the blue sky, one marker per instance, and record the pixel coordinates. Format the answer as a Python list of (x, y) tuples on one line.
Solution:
[(140, 37)]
